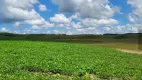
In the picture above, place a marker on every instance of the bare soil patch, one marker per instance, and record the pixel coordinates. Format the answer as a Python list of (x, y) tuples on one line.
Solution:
[(130, 51)]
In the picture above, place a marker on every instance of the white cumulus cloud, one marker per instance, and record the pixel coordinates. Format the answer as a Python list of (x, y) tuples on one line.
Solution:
[(87, 8), (60, 18), (95, 22), (4, 29), (42, 7), (136, 15), (21, 12)]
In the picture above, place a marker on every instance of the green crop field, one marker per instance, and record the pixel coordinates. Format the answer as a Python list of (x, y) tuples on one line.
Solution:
[(29, 60)]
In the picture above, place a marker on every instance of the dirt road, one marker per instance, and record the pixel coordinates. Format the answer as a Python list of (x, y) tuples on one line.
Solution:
[(130, 51)]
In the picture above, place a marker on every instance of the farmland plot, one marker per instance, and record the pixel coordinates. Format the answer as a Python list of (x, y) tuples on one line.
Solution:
[(51, 60)]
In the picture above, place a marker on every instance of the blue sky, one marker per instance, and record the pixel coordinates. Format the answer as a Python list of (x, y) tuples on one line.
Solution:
[(70, 17)]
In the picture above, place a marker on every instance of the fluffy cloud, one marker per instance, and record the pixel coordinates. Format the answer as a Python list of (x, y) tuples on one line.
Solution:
[(4, 29), (119, 29), (128, 28), (87, 16), (102, 22), (92, 23), (14, 10), (80, 30), (35, 27), (42, 7), (90, 13), (56, 31), (38, 22), (60, 18), (21, 12), (136, 15), (98, 9), (132, 17), (76, 25)]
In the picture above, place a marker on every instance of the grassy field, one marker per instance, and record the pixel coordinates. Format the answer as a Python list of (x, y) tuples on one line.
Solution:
[(118, 41), (28, 60)]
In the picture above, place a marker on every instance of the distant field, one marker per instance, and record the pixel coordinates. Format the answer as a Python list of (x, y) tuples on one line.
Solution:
[(119, 41), (124, 44), (64, 61), (119, 45)]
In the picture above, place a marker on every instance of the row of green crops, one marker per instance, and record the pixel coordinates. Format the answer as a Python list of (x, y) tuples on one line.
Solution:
[(41, 60)]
